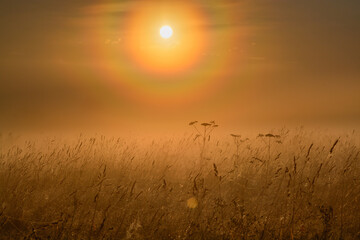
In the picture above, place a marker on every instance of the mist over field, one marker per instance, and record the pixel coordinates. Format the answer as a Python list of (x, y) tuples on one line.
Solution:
[(94, 65)]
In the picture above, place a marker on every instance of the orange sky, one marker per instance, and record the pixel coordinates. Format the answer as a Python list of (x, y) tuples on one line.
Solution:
[(98, 64)]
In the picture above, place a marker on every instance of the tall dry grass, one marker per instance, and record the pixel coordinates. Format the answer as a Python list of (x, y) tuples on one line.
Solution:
[(286, 184)]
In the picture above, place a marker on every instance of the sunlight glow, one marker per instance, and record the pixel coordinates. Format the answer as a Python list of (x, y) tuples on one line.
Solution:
[(166, 32), (185, 42)]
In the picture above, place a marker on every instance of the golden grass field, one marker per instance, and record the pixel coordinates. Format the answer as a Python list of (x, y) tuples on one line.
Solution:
[(284, 184)]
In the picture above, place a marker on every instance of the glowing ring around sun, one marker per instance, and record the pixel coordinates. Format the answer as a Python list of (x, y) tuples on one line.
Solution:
[(166, 32)]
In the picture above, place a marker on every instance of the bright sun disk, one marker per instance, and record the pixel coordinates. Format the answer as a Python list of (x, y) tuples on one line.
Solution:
[(166, 32)]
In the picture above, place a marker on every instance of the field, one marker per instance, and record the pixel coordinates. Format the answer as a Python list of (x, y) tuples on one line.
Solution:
[(283, 184)]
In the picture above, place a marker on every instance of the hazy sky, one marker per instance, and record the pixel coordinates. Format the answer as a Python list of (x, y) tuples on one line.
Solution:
[(77, 63)]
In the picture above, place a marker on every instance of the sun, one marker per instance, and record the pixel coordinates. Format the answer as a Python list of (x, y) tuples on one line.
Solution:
[(166, 32)]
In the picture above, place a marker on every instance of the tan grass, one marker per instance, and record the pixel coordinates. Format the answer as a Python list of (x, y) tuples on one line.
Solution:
[(278, 185)]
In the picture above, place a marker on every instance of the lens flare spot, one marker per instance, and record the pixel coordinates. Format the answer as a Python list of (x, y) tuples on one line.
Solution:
[(192, 203)]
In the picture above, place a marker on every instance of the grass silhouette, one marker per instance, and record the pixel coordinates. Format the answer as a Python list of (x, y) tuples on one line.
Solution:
[(289, 185)]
